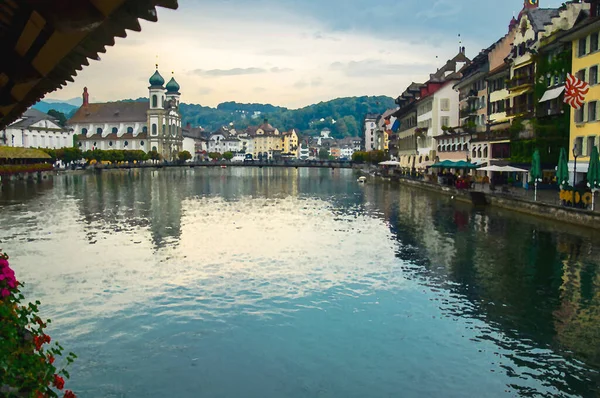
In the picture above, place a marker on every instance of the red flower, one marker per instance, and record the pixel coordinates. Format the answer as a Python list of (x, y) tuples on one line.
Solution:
[(69, 394), (59, 382), (50, 359), (39, 394), (38, 341), (47, 338)]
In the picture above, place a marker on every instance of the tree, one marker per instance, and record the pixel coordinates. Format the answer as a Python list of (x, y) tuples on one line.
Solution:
[(184, 156), (323, 154), (154, 155), (62, 119), (228, 155), (69, 155), (359, 157), (214, 155)]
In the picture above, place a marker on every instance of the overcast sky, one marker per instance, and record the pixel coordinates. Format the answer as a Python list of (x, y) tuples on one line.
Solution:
[(294, 52)]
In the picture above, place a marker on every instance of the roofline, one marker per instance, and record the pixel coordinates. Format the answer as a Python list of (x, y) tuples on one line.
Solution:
[(582, 30)]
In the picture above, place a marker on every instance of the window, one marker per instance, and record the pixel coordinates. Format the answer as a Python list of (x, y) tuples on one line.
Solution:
[(142, 143), (581, 75), (99, 130), (145, 129), (125, 144), (445, 104), (154, 129), (445, 120), (109, 143), (578, 145), (130, 130), (164, 129), (154, 101), (154, 148), (594, 42), (582, 45), (115, 130), (592, 111), (84, 131), (591, 142), (579, 115), (593, 75)]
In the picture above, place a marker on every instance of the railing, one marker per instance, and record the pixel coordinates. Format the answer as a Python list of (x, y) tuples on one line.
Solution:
[(518, 81), (469, 94), (466, 112), (519, 110)]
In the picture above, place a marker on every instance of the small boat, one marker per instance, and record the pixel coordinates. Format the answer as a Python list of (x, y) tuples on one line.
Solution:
[(362, 179), (223, 166)]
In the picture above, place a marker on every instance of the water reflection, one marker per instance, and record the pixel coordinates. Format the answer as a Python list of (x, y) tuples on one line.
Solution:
[(193, 254)]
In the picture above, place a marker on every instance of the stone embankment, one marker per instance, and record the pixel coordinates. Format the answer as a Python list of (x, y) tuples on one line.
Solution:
[(570, 215)]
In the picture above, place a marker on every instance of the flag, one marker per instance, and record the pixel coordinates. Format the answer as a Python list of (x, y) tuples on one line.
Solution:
[(575, 91), (396, 125)]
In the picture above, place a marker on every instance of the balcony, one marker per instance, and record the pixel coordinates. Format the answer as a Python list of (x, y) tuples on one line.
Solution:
[(469, 94), (520, 81), (467, 111), (519, 110)]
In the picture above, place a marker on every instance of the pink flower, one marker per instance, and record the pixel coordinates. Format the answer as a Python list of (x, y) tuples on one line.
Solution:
[(12, 283), (3, 263), (4, 293), (8, 272), (2, 277)]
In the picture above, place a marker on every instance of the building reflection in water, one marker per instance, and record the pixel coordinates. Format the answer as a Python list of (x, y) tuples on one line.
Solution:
[(530, 281), (532, 286)]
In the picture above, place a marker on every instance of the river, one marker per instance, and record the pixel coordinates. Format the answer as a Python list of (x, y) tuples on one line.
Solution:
[(273, 283)]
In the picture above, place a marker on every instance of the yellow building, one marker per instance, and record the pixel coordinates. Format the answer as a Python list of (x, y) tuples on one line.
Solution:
[(290, 143), (267, 142), (585, 122)]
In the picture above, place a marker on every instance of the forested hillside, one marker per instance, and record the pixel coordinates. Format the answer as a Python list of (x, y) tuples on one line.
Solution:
[(342, 115)]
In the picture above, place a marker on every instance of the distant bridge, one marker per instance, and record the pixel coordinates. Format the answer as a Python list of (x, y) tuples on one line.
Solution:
[(325, 164)]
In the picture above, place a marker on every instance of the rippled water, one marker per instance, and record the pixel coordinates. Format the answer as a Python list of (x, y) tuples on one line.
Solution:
[(301, 283)]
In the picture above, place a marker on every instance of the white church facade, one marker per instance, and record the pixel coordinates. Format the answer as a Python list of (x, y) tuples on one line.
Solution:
[(153, 125)]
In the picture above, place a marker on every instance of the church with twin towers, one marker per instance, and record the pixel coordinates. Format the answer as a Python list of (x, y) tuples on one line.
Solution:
[(153, 125)]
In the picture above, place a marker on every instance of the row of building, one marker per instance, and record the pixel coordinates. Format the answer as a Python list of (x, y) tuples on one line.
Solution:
[(500, 106), (156, 125)]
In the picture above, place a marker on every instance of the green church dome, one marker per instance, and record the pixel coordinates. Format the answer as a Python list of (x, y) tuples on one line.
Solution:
[(172, 86), (157, 79)]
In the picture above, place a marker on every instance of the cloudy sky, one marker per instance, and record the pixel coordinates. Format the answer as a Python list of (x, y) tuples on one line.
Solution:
[(294, 52)]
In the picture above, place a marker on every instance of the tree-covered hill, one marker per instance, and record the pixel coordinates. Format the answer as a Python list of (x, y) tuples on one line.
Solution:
[(342, 115)]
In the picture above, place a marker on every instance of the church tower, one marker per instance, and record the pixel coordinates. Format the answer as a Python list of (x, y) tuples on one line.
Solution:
[(531, 4), (156, 112), (173, 136)]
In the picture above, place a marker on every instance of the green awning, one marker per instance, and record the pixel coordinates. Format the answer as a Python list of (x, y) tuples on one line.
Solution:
[(461, 164)]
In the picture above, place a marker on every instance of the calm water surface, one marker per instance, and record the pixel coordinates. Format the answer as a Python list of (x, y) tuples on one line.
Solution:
[(302, 283)]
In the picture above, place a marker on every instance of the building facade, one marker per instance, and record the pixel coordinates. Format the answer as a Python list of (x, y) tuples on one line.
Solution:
[(584, 133), (35, 129), (372, 140), (149, 126)]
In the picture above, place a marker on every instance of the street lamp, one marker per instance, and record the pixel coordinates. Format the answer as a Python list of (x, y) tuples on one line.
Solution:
[(575, 153)]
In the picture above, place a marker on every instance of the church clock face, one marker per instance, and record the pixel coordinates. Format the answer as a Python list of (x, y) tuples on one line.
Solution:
[(533, 2)]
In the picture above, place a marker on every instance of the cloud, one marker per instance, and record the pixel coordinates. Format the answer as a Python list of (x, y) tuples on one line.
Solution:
[(316, 82), (300, 84), (321, 36), (275, 52), (280, 70), (374, 67), (228, 72), (259, 89), (440, 9), (204, 90), (237, 71)]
